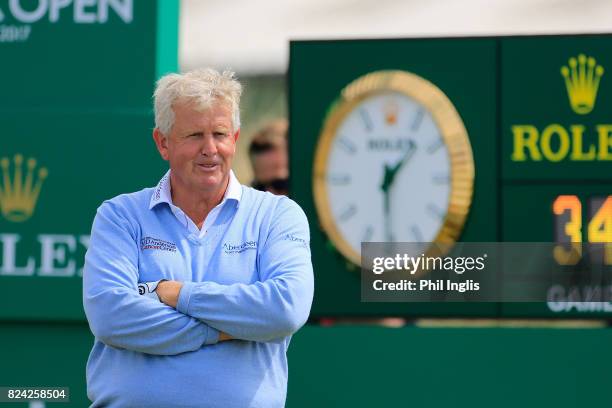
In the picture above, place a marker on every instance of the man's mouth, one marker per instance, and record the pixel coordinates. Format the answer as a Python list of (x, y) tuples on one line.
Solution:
[(208, 166)]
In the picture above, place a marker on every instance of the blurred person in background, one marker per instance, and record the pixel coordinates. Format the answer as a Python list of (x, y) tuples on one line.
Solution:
[(193, 288), (269, 158)]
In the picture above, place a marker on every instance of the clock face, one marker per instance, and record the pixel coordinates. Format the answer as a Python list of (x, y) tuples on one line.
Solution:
[(393, 165), (388, 172)]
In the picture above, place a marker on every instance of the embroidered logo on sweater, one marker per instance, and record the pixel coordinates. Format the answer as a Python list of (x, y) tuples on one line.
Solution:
[(159, 244), (237, 248), (293, 238), (160, 187)]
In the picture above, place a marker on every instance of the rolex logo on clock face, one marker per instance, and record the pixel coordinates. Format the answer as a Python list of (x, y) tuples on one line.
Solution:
[(393, 164)]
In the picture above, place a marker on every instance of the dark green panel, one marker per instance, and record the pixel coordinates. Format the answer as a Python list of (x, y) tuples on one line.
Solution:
[(77, 60), (318, 72), (46, 355), (501, 83), (534, 93), (376, 367), (371, 366)]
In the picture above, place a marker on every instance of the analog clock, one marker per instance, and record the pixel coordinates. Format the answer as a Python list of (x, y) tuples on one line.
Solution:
[(393, 164)]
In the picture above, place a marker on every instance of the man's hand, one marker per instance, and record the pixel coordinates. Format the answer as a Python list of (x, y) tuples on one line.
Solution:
[(224, 336), (168, 292)]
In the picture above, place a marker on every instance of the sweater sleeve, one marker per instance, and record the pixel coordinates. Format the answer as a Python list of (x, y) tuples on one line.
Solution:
[(273, 308), (118, 316)]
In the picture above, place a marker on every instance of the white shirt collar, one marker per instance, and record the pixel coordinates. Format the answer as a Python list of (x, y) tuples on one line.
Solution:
[(162, 192)]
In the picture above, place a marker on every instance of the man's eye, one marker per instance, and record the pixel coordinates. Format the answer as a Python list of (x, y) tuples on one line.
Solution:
[(220, 134)]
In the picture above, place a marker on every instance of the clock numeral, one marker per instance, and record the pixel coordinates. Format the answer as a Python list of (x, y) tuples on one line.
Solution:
[(435, 146), (339, 179), (434, 211), (347, 213), (418, 119), (440, 179), (347, 146), (368, 234), (367, 120), (416, 233)]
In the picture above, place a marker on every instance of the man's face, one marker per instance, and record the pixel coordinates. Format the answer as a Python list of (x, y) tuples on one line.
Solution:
[(200, 147)]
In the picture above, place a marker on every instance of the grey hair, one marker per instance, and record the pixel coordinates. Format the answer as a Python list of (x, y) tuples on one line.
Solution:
[(202, 87)]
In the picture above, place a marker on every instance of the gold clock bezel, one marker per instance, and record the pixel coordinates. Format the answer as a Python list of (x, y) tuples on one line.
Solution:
[(453, 134)]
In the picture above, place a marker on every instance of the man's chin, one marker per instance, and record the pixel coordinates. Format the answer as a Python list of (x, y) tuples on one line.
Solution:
[(210, 183)]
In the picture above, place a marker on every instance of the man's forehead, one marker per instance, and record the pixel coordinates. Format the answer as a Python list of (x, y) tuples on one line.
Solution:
[(218, 112), (202, 105)]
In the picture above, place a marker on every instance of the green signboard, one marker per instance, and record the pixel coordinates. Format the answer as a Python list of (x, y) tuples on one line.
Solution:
[(77, 79), (535, 111)]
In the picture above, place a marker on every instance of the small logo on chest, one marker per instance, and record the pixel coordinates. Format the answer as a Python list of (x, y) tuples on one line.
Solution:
[(237, 248), (159, 244)]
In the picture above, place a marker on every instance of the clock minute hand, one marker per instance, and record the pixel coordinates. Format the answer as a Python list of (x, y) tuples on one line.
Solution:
[(409, 153), (391, 171)]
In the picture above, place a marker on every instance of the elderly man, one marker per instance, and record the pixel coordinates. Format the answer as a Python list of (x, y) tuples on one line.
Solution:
[(193, 288)]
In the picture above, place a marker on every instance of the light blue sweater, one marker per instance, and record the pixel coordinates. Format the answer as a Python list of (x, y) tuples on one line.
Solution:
[(250, 276)]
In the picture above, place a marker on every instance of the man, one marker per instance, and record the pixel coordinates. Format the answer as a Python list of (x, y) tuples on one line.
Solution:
[(269, 158), (225, 270)]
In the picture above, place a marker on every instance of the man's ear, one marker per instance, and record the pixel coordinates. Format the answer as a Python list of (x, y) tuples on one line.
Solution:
[(161, 142), (236, 136)]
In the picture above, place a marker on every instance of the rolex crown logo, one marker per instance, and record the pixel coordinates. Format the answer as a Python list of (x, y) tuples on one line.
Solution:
[(18, 195), (582, 82), (391, 110)]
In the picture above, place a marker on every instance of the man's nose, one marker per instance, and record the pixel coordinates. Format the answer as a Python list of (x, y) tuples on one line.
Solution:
[(209, 148)]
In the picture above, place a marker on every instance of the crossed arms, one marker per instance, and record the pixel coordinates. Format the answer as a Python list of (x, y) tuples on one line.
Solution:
[(205, 312), (168, 292)]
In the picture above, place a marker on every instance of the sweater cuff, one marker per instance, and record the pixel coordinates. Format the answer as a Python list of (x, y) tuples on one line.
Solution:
[(148, 289), (184, 297), (212, 336)]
